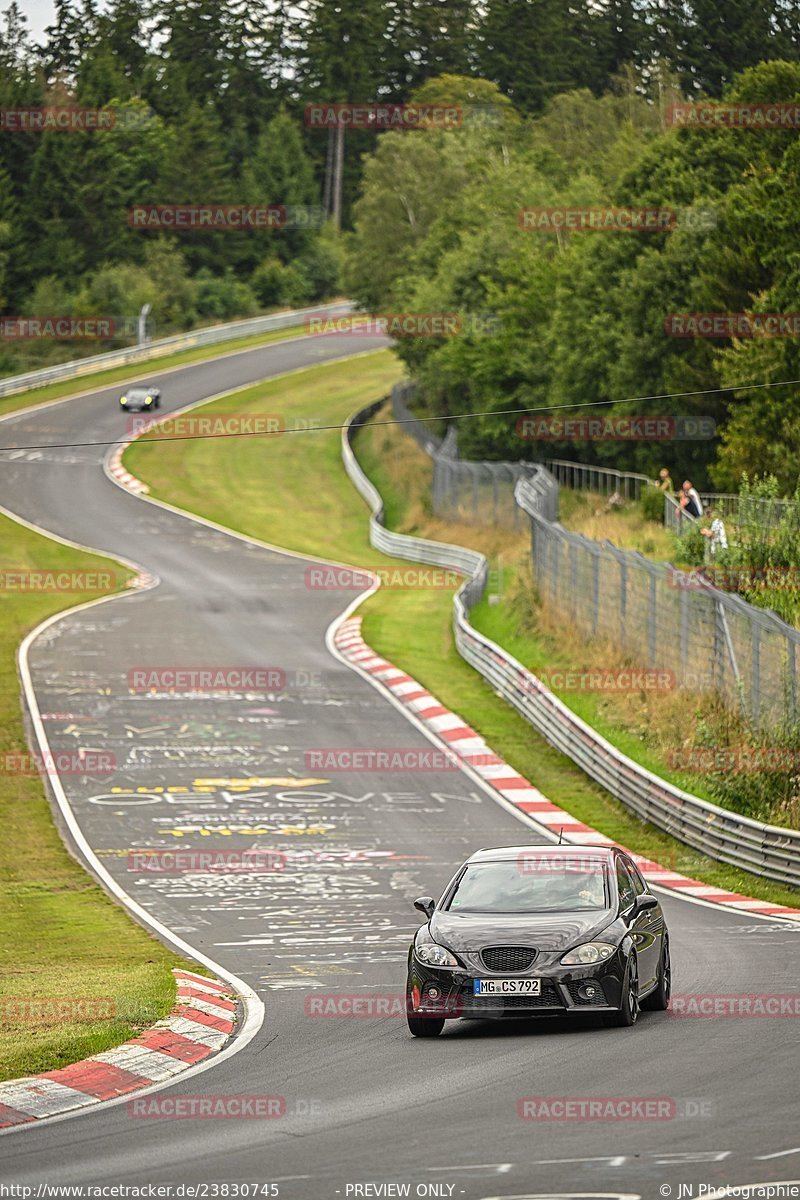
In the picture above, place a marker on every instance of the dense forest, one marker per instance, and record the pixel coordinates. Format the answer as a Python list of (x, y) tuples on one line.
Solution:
[(209, 101), (579, 315)]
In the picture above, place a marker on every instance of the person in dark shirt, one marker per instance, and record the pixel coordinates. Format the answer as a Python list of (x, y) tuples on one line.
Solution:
[(690, 501)]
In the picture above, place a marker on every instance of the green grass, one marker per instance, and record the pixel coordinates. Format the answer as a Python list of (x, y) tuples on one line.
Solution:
[(627, 527), (271, 489), (61, 935), (144, 370)]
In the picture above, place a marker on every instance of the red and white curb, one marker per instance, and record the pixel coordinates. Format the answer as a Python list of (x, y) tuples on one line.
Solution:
[(200, 1024), (123, 476), (471, 749)]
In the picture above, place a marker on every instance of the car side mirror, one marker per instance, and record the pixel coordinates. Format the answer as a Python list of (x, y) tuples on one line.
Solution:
[(426, 905), (645, 901)]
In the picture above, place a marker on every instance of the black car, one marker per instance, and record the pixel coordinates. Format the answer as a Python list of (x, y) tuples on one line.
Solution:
[(140, 399), (524, 931)]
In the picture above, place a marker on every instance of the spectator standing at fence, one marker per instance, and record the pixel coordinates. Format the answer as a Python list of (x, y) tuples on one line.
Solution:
[(666, 484), (690, 502), (715, 532)]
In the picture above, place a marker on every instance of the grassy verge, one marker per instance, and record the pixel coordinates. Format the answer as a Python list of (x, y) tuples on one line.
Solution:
[(148, 370), (627, 527), (61, 935), (272, 490)]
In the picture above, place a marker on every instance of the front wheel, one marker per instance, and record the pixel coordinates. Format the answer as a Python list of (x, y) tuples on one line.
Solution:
[(658, 1000), (629, 1008), (423, 1027)]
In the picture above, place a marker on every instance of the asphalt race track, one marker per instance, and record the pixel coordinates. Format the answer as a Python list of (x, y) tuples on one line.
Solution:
[(365, 1103)]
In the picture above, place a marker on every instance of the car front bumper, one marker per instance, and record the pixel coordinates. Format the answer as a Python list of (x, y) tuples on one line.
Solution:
[(567, 991)]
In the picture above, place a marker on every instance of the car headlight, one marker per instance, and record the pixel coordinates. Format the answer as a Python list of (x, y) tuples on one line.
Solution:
[(433, 955), (590, 952), (148, 399), (123, 399)]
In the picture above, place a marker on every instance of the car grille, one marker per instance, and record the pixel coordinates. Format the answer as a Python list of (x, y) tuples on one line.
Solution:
[(597, 999), (548, 999), (508, 958)]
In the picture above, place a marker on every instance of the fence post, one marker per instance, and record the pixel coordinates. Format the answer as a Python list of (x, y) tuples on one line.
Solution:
[(595, 589), (755, 670), (718, 664), (684, 634), (623, 595), (652, 617), (791, 671)]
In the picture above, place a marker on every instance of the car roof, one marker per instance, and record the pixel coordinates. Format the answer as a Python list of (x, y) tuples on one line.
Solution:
[(506, 853)]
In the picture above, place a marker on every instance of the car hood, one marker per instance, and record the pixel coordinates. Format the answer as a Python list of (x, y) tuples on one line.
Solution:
[(542, 931)]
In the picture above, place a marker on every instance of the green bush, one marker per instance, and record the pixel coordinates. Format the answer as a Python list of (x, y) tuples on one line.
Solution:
[(693, 546), (297, 286), (651, 503), (222, 297), (275, 282), (322, 264), (267, 282)]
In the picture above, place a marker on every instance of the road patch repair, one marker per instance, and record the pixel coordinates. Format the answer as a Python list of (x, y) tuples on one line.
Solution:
[(200, 1024)]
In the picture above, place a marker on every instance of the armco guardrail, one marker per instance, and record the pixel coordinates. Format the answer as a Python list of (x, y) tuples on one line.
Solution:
[(458, 558), (154, 350), (762, 849)]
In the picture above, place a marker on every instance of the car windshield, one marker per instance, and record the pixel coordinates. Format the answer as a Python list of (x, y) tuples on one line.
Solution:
[(530, 884), (137, 393)]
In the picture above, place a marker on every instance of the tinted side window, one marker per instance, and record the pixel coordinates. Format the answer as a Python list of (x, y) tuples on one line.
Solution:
[(638, 882), (626, 892)]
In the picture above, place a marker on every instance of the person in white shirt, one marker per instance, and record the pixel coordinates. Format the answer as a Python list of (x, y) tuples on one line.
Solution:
[(689, 500), (716, 532)]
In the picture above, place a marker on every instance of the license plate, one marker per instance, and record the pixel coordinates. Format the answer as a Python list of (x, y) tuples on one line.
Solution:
[(507, 987)]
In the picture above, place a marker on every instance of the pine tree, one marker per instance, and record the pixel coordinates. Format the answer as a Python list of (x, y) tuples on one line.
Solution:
[(279, 172), (535, 49)]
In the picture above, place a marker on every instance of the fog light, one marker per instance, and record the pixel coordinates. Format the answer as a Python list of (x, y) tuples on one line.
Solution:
[(589, 991), (433, 992)]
